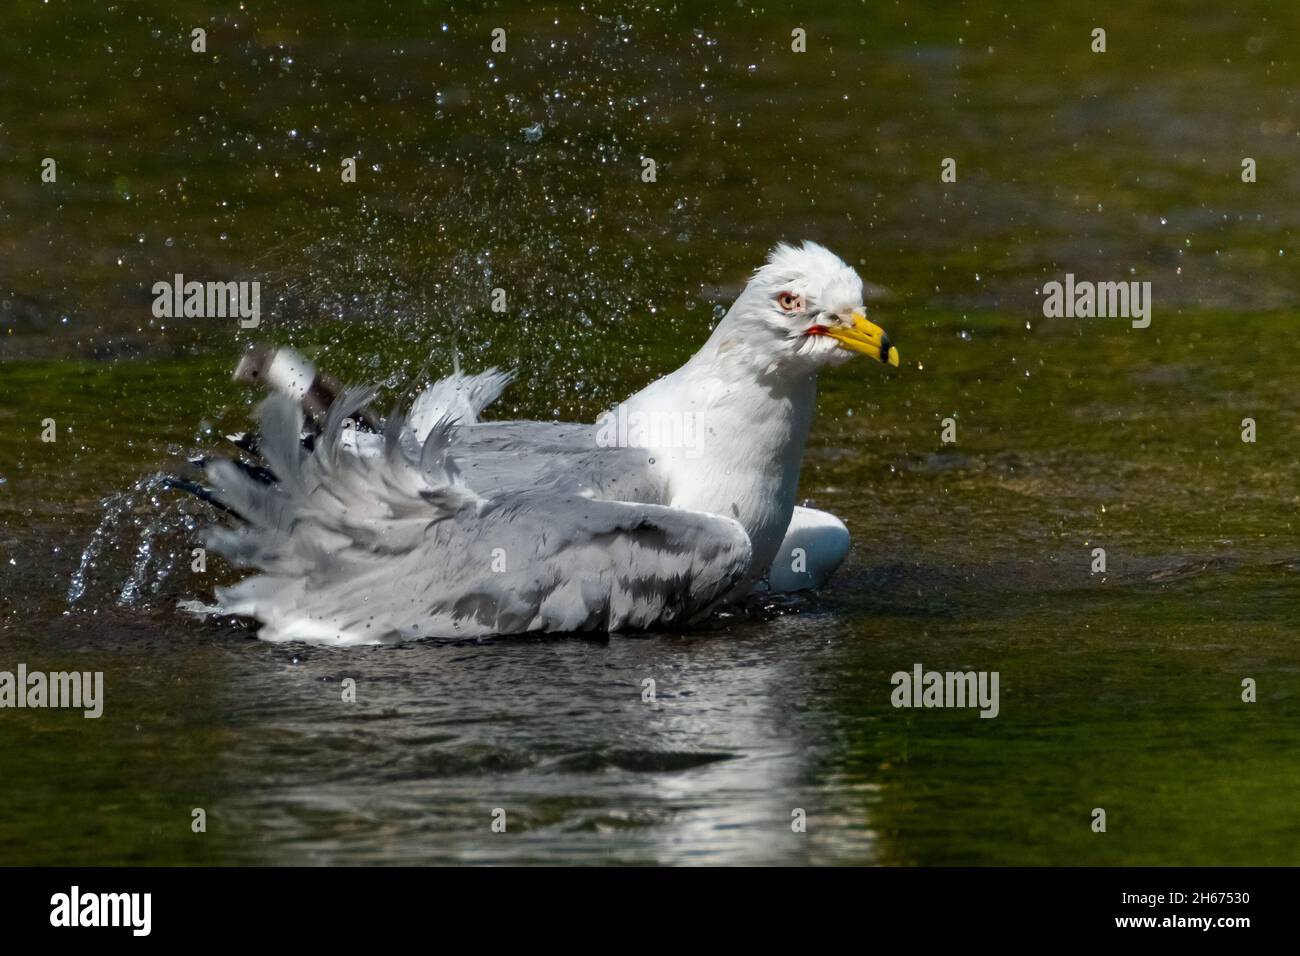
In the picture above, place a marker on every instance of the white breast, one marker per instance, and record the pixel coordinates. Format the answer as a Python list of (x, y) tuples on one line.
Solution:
[(736, 452)]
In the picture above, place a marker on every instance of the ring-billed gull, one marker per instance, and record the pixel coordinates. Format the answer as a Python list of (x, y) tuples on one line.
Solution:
[(677, 501)]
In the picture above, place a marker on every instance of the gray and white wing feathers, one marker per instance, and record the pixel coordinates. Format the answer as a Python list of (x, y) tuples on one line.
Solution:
[(364, 549)]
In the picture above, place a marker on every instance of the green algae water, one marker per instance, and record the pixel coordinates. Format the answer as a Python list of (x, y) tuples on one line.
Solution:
[(1119, 689)]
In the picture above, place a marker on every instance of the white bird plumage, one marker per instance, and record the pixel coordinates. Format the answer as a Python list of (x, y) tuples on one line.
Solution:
[(445, 526)]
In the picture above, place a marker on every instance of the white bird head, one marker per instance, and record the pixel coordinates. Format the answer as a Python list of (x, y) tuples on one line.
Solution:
[(801, 311)]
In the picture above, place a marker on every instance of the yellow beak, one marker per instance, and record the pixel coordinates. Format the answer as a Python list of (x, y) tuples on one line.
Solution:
[(866, 337)]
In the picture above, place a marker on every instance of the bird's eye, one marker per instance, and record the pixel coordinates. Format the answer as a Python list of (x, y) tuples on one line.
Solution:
[(789, 302)]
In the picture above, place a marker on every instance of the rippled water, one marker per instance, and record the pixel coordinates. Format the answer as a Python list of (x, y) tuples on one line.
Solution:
[(1119, 690)]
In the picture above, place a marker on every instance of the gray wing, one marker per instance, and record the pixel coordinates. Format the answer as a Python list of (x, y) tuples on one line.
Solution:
[(514, 457), (510, 457), (364, 549), (458, 397)]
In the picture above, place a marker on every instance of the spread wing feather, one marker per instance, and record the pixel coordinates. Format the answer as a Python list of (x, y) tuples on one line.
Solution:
[(404, 542)]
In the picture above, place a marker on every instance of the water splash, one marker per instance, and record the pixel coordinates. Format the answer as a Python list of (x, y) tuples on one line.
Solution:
[(159, 524)]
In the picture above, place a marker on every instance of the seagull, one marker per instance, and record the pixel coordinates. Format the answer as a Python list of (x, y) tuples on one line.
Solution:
[(436, 524)]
